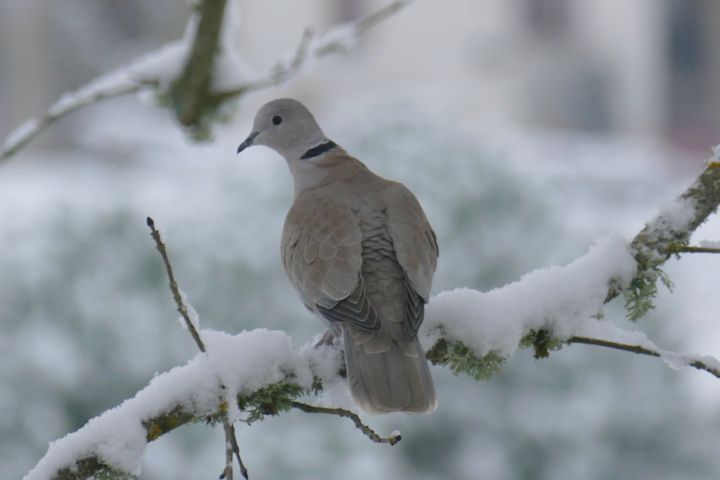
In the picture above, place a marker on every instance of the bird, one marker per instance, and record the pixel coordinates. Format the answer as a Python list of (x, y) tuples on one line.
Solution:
[(361, 253)]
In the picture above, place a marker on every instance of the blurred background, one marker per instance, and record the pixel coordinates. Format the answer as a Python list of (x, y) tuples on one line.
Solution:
[(527, 128)]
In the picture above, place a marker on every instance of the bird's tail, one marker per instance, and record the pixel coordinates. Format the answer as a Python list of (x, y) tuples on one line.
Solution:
[(394, 380)]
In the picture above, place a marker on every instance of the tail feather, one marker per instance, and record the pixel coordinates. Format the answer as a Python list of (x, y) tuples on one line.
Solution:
[(397, 379)]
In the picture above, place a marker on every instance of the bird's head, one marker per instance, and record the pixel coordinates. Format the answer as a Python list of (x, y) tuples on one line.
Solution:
[(286, 126)]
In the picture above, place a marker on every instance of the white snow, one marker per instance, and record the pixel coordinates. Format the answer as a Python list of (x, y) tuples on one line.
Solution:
[(563, 299), (676, 215), (230, 68), (243, 363), (341, 37), (709, 244), (192, 313), (714, 160), (20, 134), (158, 68)]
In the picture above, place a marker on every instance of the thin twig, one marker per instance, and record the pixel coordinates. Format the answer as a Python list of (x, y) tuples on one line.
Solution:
[(639, 350), (232, 449), (191, 90), (235, 448), (282, 73), (675, 248), (229, 432), (53, 115), (379, 16), (181, 307), (341, 412), (231, 444)]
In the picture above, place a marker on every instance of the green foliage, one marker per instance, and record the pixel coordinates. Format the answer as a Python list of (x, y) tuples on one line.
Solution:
[(542, 342), (461, 359), (641, 292), (92, 468), (317, 385), (271, 400)]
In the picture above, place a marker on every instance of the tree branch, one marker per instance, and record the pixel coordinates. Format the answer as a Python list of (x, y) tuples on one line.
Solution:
[(22, 135), (676, 248), (652, 246), (699, 364), (190, 93), (190, 90), (341, 412), (177, 295), (232, 449), (330, 44)]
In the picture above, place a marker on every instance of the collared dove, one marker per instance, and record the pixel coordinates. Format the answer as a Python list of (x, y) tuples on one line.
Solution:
[(361, 254)]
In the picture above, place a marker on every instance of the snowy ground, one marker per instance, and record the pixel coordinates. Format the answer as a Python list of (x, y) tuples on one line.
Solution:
[(86, 318)]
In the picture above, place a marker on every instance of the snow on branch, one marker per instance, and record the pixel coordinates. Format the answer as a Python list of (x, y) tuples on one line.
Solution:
[(190, 75), (474, 332), (260, 370), (338, 40), (665, 235), (257, 373)]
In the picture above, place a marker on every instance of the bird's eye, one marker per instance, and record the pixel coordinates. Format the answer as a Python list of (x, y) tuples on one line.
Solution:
[(277, 120)]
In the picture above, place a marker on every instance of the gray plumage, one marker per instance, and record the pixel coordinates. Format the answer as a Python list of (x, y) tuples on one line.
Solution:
[(361, 254)]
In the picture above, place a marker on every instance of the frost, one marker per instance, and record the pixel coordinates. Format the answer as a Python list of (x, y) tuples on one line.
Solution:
[(561, 299)]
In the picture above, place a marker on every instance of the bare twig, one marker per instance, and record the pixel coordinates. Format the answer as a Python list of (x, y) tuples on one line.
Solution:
[(229, 433), (190, 92), (231, 444), (181, 307), (232, 449), (381, 15), (341, 412), (280, 73), (700, 365), (283, 72), (235, 448), (679, 248)]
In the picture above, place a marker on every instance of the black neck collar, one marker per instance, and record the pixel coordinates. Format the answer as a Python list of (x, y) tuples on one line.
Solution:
[(319, 150)]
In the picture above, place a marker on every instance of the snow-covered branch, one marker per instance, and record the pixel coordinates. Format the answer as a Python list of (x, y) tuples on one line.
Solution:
[(185, 75), (339, 40), (675, 360), (87, 95), (248, 376), (662, 236), (261, 373)]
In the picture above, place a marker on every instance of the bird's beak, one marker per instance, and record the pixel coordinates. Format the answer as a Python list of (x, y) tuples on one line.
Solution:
[(248, 142)]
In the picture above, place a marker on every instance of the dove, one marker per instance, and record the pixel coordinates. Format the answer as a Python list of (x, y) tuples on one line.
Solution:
[(361, 253)]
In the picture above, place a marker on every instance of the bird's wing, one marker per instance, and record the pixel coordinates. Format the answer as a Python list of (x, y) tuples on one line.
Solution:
[(414, 241), (322, 255)]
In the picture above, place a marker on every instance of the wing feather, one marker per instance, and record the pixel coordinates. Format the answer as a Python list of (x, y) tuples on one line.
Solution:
[(322, 255)]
